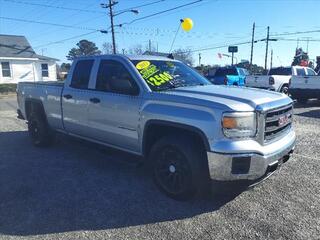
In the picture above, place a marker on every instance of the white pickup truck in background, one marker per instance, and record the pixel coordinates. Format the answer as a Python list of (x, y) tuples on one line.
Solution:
[(278, 78), (305, 87)]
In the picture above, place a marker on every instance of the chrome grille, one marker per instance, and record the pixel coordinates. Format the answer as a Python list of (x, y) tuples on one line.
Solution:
[(277, 122)]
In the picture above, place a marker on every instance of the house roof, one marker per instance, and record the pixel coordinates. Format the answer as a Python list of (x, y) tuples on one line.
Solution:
[(18, 47)]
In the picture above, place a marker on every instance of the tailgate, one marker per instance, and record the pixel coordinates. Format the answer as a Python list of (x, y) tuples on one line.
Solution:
[(257, 81)]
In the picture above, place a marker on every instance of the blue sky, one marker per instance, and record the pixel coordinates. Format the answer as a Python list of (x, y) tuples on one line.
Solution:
[(216, 23)]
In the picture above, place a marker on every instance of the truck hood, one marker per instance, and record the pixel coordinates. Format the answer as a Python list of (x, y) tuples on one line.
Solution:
[(234, 97)]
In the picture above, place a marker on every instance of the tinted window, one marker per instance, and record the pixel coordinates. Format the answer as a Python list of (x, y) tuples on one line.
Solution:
[(310, 72), (114, 77), (221, 72), (281, 71), (81, 74), (44, 70), (301, 72), (6, 72)]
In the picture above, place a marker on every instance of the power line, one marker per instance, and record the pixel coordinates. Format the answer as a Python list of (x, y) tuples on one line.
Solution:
[(295, 33), (51, 6), (66, 39), (161, 12), (47, 23), (140, 6), (217, 47), (300, 40)]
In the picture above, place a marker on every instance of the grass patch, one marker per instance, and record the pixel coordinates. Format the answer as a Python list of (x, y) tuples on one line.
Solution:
[(8, 88)]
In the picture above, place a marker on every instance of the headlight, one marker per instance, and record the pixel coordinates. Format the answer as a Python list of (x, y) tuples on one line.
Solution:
[(239, 124)]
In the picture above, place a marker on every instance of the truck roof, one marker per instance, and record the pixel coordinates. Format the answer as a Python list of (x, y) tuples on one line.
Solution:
[(130, 57)]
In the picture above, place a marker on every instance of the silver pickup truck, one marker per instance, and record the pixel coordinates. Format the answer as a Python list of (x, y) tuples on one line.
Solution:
[(159, 108)]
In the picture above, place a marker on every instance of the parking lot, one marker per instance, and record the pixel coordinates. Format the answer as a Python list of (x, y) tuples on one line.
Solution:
[(76, 190)]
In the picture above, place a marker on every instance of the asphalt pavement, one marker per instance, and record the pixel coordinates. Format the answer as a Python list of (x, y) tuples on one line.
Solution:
[(77, 190)]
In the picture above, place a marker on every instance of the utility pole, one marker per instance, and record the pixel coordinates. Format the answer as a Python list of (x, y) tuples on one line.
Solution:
[(232, 55), (199, 59), (149, 45), (267, 45), (252, 42), (271, 58), (110, 5)]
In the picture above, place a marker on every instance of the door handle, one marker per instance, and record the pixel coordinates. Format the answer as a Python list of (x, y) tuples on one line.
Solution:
[(94, 100), (67, 96)]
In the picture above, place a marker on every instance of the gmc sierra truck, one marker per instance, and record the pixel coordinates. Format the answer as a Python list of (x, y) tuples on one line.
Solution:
[(187, 128)]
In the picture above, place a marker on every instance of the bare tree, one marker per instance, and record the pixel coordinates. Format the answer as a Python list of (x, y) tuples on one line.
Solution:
[(184, 55), (107, 48), (136, 50)]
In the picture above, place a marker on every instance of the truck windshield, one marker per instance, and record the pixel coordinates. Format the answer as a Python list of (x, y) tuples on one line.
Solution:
[(280, 71), (162, 75)]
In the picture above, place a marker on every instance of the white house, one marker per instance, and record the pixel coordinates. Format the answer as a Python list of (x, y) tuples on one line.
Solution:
[(19, 62)]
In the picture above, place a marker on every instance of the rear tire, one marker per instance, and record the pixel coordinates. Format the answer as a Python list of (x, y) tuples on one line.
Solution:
[(39, 130), (179, 167)]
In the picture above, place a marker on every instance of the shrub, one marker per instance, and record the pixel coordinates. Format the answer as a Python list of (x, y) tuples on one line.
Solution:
[(8, 87)]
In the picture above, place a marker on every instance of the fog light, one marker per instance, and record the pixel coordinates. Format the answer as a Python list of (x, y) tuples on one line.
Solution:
[(240, 165)]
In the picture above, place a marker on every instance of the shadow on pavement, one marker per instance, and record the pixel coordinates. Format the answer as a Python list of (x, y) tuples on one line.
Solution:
[(74, 186), (310, 114)]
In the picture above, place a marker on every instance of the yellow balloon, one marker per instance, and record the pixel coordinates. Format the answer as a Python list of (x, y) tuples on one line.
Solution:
[(187, 24)]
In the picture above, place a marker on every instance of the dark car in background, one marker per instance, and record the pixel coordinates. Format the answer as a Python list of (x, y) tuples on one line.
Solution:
[(229, 76)]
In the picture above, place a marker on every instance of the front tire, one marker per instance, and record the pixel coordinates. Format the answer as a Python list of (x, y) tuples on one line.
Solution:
[(285, 89), (179, 168), (39, 130)]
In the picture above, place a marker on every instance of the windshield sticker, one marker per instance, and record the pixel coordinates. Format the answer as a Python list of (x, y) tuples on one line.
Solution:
[(152, 74), (142, 65)]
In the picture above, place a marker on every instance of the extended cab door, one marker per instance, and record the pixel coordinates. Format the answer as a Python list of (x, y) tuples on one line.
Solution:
[(114, 106), (75, 98)]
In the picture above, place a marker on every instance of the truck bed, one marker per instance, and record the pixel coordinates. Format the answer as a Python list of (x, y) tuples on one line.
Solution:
[(48, 93), (46, 83)]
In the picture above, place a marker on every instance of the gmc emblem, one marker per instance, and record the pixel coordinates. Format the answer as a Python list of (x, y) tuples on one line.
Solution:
[(283, 120)]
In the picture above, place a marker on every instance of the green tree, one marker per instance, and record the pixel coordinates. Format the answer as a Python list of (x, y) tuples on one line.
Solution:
[(65, 67), (84, 48)]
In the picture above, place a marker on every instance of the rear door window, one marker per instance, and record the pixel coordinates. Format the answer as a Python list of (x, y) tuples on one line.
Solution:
[(81, 74), (281, 71)]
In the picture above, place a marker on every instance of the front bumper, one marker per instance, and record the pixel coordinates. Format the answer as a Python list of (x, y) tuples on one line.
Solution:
[(251, 165)]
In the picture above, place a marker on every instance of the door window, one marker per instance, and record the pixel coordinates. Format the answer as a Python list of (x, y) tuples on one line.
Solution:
[(6, 71), (81, 74), (114, 77)]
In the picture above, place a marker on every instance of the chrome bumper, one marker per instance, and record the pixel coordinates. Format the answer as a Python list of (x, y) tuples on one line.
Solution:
[(251, 165)]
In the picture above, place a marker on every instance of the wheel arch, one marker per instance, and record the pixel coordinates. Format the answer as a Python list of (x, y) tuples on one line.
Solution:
[(155, 129), (32, 104)]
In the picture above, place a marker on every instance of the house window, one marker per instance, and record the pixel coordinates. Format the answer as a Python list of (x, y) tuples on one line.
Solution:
[(6, 72), (44, 70)]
